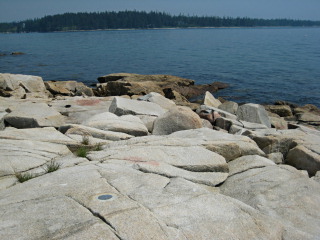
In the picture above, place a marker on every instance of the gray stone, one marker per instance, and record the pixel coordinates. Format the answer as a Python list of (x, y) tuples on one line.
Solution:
[(176, 119), (28, 86), (245, 163), (224, 114), (303, 158), (30, 115), (276, 157), (193, 163), (78, 109), (94, 132), (121, 106), (281, 192), (206, 124), (229, 106), (253, 113), (23, 155), (148, 121), (2, 115), (47, 134), (278, 123), (228, 145), (317, 177), (210, 100), (107, 121), (226, 124), (157, 98)]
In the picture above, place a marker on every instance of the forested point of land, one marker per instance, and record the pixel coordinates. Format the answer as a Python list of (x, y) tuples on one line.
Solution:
[(139, 20)]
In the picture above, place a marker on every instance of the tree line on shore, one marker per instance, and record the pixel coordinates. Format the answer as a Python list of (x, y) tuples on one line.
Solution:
[(139, 20)]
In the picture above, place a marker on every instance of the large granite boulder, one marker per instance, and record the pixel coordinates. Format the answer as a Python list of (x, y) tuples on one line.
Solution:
[(279, 191), (253, 113), (176, 119), (122, 106), (303, 158), (210, 100), (33, 114), (108, 121), (22, 86)]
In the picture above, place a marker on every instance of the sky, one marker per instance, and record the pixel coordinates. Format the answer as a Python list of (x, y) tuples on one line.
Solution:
[(17, 10)]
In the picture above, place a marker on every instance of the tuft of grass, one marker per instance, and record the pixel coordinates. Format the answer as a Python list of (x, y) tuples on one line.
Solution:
[(52, 166), (82, 152), (23, 177)]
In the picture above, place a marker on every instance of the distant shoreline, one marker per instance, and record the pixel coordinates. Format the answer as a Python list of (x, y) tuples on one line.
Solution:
[(165, 28)]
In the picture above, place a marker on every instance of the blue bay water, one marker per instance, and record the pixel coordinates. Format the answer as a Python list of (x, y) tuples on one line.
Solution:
[(262, 65)]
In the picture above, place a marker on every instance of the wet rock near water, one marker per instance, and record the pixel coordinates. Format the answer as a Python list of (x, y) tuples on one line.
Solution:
[(78, 166)]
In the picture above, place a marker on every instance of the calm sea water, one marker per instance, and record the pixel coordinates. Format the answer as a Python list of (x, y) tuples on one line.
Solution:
[(261, 64)]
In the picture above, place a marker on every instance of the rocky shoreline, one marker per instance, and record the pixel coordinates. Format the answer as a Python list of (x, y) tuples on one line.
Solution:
[(132, 158)]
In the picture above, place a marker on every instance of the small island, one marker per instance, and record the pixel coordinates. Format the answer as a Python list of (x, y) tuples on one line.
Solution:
[(84, 21)]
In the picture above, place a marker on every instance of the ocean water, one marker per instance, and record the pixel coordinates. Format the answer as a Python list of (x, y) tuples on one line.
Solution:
[(261, 65)]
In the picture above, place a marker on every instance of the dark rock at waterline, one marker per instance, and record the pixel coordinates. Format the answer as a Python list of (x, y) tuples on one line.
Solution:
[(135, 84), (17, 53)]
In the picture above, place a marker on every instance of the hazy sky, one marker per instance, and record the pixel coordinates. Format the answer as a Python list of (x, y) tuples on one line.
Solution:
[(15, 10)]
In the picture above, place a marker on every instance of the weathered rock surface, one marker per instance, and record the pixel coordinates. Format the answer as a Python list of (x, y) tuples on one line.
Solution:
[(253, 113), (219, 111), (108, 121), (303, 142), (94, 132), (176, 119), (78, 109), (142, 206), (303, 158), (22, 155), (192, 163), (2, 115), (281, 110), (229, 106), (227, 145), (30, 115), (210, 100), (278, 123), (135, 84), (157, 98), (48, 134), (69, 88), (281, 192), (121, 106), (22, 86)]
